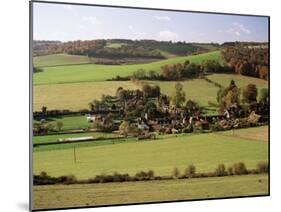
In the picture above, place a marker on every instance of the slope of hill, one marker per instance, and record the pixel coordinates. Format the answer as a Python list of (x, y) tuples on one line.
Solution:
[(59, 59), (94, 72)]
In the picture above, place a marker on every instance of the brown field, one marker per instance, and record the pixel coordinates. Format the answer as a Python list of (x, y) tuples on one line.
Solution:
[(256, 133), (59, 196)]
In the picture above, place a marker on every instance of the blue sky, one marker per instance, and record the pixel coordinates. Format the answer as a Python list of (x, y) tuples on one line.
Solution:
[(73, 22)]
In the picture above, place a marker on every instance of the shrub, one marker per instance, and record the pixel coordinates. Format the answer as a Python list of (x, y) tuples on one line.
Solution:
[(59, 125), (144, 175), (262, 167), (176, 173), (103, 178), (230, 170), (190, 171), (220, 170), (151, 174), (71, 179), (120, 177), (240, 168)]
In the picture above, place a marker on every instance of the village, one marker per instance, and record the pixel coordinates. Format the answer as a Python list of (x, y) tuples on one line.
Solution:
[(146, 113)]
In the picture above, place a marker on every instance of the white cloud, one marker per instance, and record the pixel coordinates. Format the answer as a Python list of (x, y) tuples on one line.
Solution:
[(92, 20), (238, 29), (168, 35), (241, 27), (162, 18), (135, 32)]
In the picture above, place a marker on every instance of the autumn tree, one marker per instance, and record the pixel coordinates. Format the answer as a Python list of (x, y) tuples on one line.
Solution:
[(228, 96), (250, 93), (178, 97), (264, 95)]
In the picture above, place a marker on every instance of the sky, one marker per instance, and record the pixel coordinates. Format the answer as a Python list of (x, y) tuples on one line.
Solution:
[(76, 22)]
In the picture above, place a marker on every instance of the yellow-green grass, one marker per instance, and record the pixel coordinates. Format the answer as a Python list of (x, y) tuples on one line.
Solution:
[(257, 133), (198, 90), (205, 151), (59, 59), (50, 138), (115, 45), (75, 96), (69, 122), (95, 72), (60, 196), (240, 80)]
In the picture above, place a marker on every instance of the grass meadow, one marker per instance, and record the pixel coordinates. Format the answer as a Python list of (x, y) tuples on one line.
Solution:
[(59, 59), (76, 96), (205, 151), (69, 122), (95, 72)]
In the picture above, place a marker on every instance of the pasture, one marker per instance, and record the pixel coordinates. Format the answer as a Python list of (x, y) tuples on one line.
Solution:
[(59, 59), (205, 151), (148, 191), (95, 72), (70, 122), (75, 96), (51, 138), (197, 90), (240, 80)]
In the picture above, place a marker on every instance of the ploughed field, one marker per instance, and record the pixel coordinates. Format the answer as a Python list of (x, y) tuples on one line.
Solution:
[(148, 191), (162, 155)]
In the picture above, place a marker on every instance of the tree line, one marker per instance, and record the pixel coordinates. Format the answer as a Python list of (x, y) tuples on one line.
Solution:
[(247, 60), (179, 71), (128, 49)]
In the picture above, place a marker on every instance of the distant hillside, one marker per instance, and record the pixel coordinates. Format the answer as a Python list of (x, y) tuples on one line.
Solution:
[(122, 48)]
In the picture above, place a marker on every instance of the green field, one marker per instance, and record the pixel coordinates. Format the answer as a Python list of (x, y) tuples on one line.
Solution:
[(95, 72), (240, 80), (198, 90), (205, 151), (115, 45), (148, 191), (51, 138), (75, 96), (69, 122), (59, 59)]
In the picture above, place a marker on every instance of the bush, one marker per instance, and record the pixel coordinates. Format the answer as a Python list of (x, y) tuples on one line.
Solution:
[(151, 174), (144, 175), (262, 167), (120, 177), (103, 178), (220, 170), (59, 125), (176, 173), (190, 171), (239, 168), (230, 170), (71, 179), (45, 179)]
